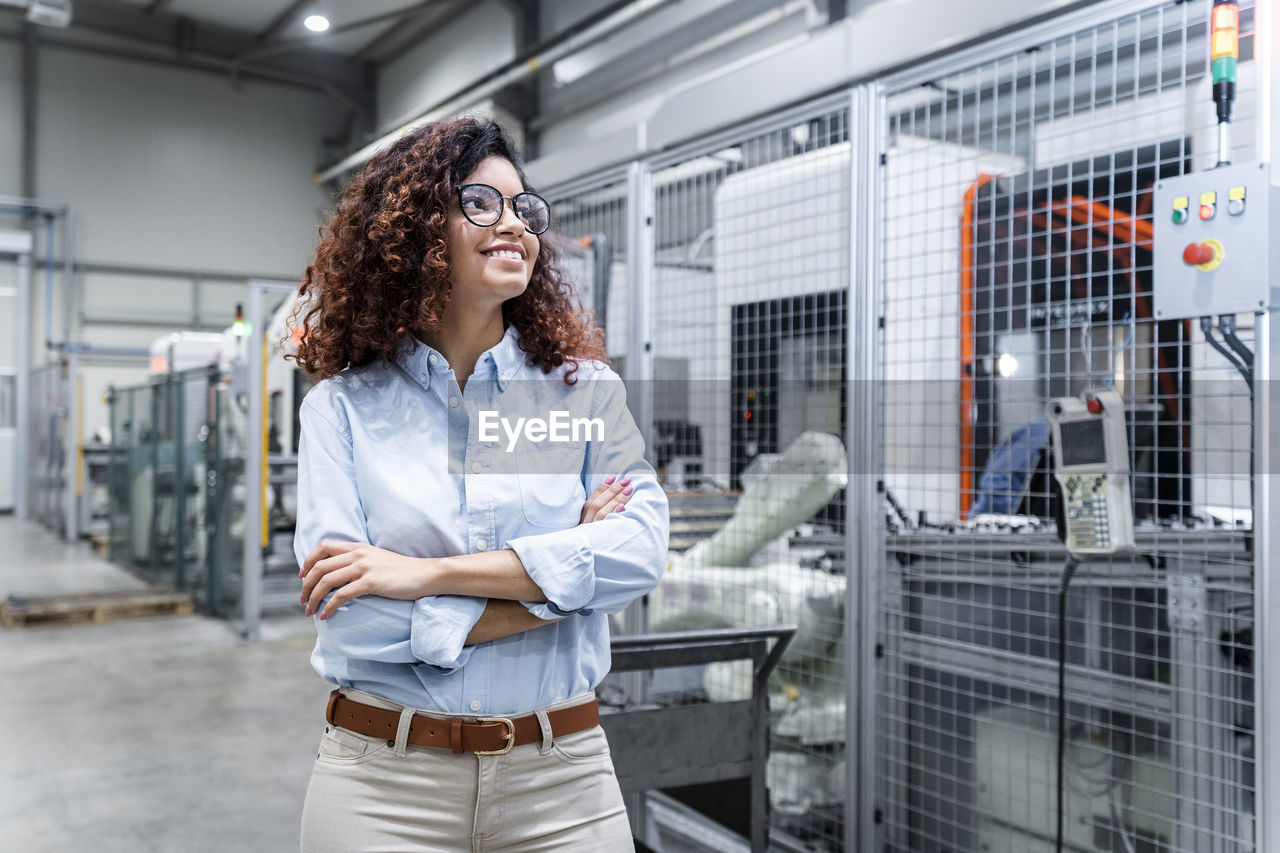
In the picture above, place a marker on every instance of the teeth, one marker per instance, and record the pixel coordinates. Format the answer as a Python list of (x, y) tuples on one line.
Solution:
[(505, 253)]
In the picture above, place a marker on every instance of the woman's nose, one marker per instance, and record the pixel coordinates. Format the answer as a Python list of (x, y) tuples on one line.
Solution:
[(509, 223)]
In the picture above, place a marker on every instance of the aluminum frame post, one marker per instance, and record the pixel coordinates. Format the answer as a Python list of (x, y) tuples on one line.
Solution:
[(639, 375), (22, 389), (1266, 637), (862, 532), (255, 481), (1266, 486), (71, 449)]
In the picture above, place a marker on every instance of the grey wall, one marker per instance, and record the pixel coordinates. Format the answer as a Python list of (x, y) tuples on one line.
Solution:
[(477, 42), (163, 169), (10, 119), (169, 168)]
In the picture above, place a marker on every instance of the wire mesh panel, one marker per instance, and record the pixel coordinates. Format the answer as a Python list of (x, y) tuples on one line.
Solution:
[(47, 465), (1016, 249), (750, 283), (590, 235), (157, 475)]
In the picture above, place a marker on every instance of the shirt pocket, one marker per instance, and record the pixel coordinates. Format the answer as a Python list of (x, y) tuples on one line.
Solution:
[(549, 475)]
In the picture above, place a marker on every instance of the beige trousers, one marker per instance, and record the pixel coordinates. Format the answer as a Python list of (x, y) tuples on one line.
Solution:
[(368, 795)]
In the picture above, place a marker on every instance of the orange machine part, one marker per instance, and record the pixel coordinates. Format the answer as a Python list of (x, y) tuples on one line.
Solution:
[(967, 366)]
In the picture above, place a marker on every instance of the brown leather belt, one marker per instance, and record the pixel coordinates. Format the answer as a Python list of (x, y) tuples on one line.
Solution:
[(483, 735)]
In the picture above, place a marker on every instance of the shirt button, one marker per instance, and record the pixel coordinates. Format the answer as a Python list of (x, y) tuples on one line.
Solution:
[(453, 401), (433, 358), (481, 544), (422, 377), (477, 467), (476, 704)]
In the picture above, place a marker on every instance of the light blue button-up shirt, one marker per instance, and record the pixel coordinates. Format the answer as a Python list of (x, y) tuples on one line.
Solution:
[(392, 454)]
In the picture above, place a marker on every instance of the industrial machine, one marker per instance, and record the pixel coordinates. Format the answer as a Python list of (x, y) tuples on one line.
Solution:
[(177, 458), (1090, 499), (766, 566)]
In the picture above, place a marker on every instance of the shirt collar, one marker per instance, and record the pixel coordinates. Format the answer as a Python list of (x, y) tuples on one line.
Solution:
[(423, 362)]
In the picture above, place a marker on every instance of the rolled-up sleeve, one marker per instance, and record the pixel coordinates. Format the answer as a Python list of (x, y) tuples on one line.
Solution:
[(607, 564), (430, 630)]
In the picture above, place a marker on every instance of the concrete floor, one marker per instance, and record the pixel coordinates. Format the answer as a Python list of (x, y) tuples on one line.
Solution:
[(165, 734)]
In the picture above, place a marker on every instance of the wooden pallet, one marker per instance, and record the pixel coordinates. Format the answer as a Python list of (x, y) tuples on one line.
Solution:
[(94, 607)]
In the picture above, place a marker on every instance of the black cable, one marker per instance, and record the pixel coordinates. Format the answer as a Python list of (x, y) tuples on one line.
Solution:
[(1067, 572), (1206, 326), (898, 510), (1227, 324)]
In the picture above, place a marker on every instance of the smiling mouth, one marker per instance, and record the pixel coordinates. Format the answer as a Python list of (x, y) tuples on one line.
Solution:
[(505, 254)]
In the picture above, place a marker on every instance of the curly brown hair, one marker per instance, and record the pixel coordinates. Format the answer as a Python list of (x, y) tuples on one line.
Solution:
[(381, 270)]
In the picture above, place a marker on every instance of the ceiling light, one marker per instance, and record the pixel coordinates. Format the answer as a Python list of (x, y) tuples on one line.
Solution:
[(316, 23)]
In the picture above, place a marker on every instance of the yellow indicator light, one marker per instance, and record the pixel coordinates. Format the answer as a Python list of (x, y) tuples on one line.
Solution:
[(1226, 32), (1235, 194), (1209, 198), (1182, 202)]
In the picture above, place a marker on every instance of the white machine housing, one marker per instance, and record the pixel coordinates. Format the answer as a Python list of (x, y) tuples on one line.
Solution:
[(184, 350), (1091, 462)]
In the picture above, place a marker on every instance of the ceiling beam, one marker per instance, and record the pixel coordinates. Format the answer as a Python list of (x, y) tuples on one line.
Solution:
[(283, 20), (181, 37), (159, 7), (288, 46), (396, 32), (393, 48)]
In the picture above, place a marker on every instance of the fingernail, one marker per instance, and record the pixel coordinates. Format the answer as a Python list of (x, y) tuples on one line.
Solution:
[(302, 599), (610, 480), (308, 609), (324, 615), (626, 481), (620, 508), (627, 490)]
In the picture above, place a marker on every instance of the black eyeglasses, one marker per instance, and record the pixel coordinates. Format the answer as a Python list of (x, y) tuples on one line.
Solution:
[(482, 205)]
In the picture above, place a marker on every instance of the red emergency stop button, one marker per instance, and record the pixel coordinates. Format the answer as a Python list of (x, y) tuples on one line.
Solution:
[(1094, 405), (1197, 253)]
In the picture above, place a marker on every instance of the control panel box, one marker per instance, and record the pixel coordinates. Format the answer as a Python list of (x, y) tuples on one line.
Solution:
[(1214, 249)]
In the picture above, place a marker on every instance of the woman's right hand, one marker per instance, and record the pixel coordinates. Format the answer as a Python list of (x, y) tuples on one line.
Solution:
[(610, 496)]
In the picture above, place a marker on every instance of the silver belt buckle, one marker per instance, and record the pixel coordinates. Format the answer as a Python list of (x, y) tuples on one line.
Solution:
[(510, 735)]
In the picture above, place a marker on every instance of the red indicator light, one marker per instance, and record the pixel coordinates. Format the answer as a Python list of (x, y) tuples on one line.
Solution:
[(1206, 211), (1197, 253), (1094, 405), (747, 415)]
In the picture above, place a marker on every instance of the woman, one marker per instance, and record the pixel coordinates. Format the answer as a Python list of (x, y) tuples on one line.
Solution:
[(461, 584)]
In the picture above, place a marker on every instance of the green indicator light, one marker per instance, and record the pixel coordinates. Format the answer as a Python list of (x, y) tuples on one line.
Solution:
[(1179, 216), (1224, 69)]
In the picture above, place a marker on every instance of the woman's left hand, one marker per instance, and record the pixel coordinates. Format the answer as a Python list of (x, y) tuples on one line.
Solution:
[(351, 569)]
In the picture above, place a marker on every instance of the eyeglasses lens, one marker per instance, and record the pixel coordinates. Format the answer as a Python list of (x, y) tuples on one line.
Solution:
[(482, 205), (533, 210)]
